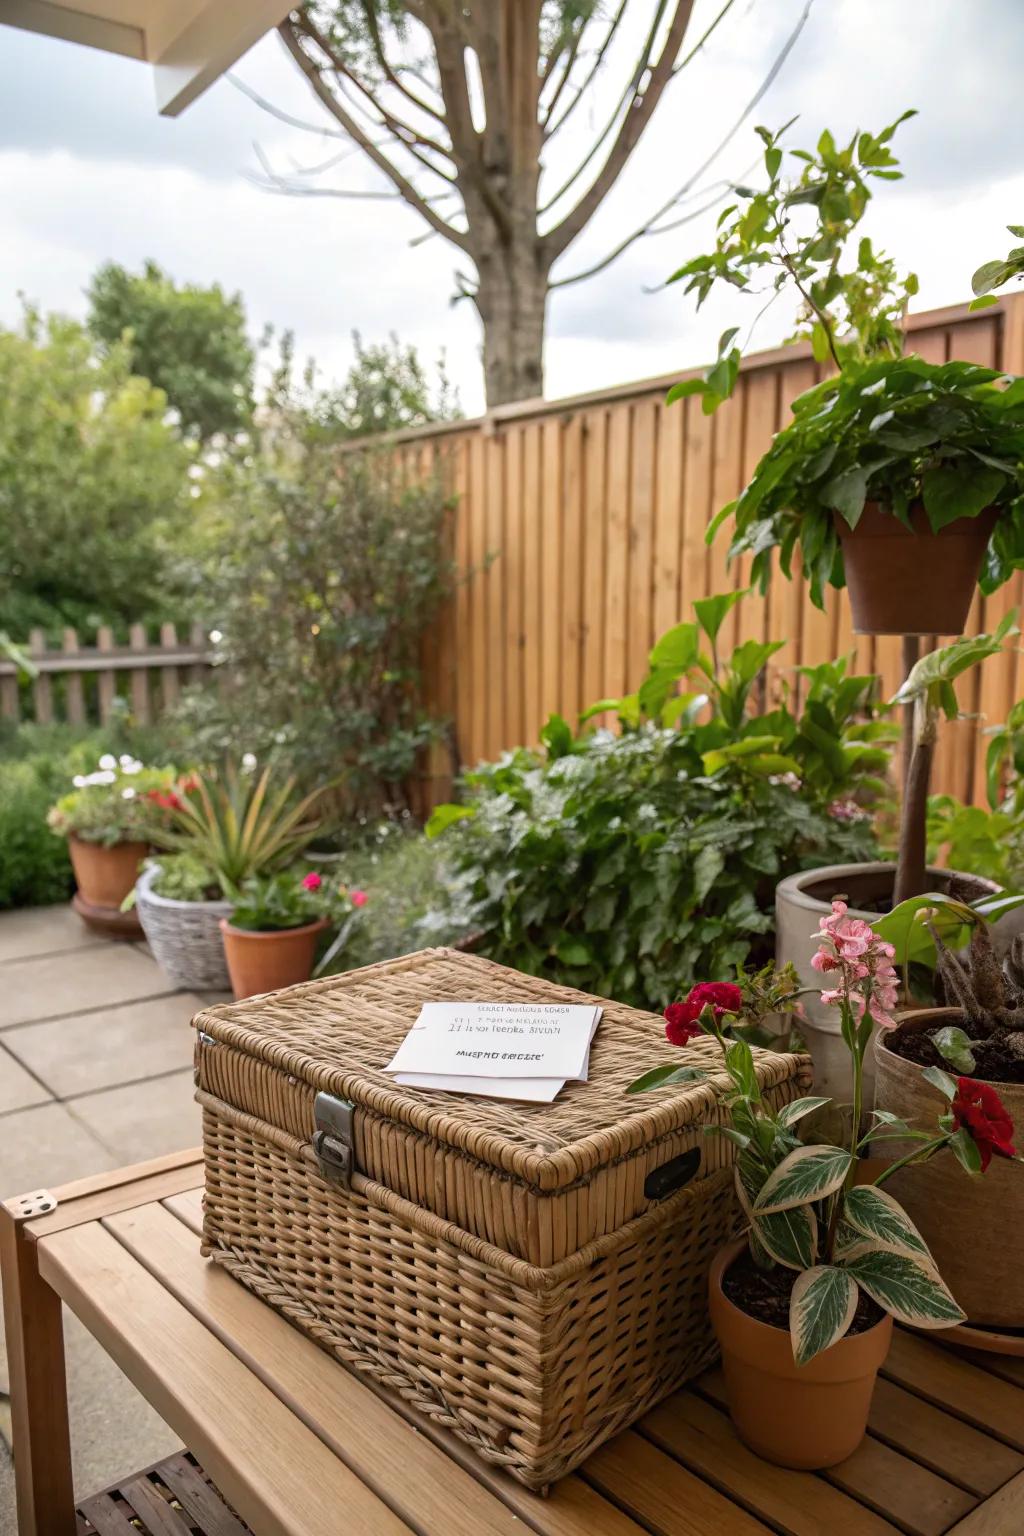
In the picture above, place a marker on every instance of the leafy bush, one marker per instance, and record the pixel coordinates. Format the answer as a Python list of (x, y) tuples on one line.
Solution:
[(94, 485), (322, 583), (113, 804), (634, 863)]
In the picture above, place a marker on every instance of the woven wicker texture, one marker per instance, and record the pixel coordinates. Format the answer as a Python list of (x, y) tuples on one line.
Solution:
[(537, 1180), (532, 1367), (184, 936)]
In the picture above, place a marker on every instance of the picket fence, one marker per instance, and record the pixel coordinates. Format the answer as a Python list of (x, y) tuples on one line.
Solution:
[(578, 530), (80, 683)]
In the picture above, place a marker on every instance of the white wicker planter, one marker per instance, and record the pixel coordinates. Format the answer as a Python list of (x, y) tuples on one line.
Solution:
[(184, 936)]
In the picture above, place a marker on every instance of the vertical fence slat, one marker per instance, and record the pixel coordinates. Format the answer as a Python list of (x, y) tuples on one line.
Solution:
[(197, 640), (617, 679), (573, 490), (42, 691), (668, 521), (74, 696), (533, 535), (106, 681), (595, 563), (643, 455), (169, 685), (552, 512), (515, 719), (139, 641), (494, 594), (10, 702)]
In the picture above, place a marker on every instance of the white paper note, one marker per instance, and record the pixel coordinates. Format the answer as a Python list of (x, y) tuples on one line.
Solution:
[(498, 1040)]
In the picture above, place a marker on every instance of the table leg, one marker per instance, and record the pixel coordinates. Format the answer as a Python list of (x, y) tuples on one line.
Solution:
[(39, 1401)]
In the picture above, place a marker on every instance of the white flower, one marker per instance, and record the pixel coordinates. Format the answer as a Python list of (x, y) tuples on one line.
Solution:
[(216, 637), (128, 794), (79, 781), (105, 777), (130, 765), (108, 761), (248, 761)]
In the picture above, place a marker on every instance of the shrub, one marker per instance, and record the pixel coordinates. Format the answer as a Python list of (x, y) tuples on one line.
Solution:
[(633, 864)]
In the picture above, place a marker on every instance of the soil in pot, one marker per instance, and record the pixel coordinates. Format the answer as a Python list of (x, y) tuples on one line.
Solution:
[(974, 1227), (104, 876), (808, 1416), (265, 962), (911, 581), (764, 1294)]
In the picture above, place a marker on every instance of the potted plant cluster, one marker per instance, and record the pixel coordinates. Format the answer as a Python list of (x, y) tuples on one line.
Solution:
[(970, 1051), (107, 819), (218, 829), (276, 923), (803, 1304)]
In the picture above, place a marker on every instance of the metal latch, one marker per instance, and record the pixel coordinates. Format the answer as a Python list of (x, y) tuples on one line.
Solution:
[(332, 1143)]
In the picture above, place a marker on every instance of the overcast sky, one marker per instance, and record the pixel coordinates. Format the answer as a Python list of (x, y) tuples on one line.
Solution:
[(89, 173)]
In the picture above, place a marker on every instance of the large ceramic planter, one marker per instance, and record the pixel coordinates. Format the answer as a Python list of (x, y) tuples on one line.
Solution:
[(801, 901), (973, 1226), (911, 581), (105, 876), (806, 1416), (265, 962), (184, 936)]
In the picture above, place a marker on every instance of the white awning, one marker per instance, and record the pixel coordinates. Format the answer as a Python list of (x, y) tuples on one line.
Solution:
[(189, 43)]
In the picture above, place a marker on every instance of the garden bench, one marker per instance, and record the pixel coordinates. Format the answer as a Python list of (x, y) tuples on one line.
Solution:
[(299, 1446)]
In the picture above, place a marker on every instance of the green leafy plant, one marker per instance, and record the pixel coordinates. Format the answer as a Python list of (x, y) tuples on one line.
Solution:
[(290, 899), (112, 804), (182, 877), (239, 822), (628, 863), (995, 274), (808, 1209)]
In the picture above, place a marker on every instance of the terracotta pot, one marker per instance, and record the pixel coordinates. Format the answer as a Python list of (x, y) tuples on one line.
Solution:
[(801, 901), (265, 962), (806, 1416), (973, 1226), (912, 583), (104, 876)]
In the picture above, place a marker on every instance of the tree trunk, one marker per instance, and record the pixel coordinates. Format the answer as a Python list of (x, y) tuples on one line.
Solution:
[(511, 300)]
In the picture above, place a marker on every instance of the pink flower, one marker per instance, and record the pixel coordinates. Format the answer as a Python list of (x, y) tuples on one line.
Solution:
[(863, 960), (358, 898), (312, 881)]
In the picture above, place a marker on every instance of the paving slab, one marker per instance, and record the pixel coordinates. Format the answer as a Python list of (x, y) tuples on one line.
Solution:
[(18, 1088), (45, 986), (46, 1146), (43, 931), (145, 1119), (85, 1052)]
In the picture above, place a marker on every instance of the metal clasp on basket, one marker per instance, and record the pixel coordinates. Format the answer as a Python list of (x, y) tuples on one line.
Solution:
[(332, 1143)]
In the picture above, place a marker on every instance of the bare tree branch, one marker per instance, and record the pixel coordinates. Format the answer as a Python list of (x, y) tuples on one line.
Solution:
[(638, 115), (370, 12), (613, 26), (394, 175), (648, 226)]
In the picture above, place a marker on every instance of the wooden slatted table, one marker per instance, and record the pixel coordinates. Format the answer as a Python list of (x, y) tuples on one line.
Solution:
[(299, 1446)]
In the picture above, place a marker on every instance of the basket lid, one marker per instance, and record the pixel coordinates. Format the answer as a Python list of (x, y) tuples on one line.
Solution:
[(338, 1034)]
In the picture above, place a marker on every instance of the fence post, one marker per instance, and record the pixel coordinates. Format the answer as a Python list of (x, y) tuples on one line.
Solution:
[(74, 698), (169, 684), (42, 693), (106, 682), (138, 641)]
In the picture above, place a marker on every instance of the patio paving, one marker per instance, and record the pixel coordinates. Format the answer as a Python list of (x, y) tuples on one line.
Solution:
[(95, 1072)]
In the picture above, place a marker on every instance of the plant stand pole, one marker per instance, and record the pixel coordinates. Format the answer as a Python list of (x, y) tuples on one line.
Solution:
[(912, 858), (911, 656)]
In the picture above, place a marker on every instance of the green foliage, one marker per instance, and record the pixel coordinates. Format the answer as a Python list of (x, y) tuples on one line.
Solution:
[(994, 274), (190, 342), (113, 803), (631, 864), (186, 877), (897, 432), (323, 574), (795, 233), (288, 898), (238, 822), (931, 678), (387, 389), (93, 483)]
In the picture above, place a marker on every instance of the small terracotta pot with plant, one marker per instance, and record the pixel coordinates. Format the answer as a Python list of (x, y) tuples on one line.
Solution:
[(271, 937), (803, 1306), (106, 819)]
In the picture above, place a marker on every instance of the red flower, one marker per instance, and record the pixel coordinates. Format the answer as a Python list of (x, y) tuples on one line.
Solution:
[(359, 898), (167, 800), (682, 1018), (681, 1023), (979, 1109), (312, 881), (189, 784), (724, 996)]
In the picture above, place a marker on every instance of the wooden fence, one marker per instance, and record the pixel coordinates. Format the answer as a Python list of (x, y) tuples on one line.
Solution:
[(80, 683), (579, 528)]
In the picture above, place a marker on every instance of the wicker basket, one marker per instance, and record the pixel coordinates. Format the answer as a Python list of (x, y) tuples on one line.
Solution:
[(184, 936), (532, 1276)]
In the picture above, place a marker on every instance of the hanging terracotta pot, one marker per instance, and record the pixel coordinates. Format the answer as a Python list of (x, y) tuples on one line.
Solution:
[(973, 1226), (904, 582), (104, 876), (264, 962), (806, 1416)]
